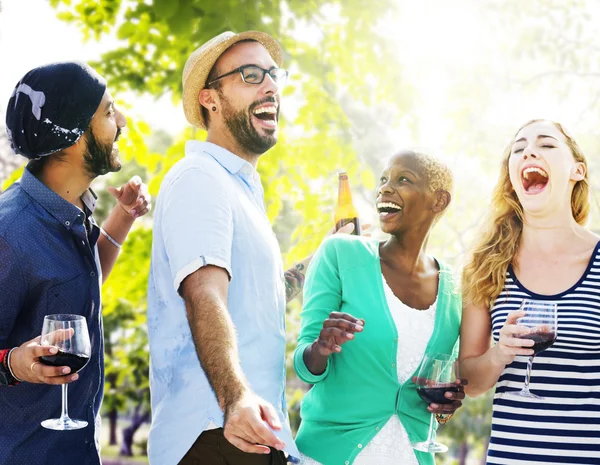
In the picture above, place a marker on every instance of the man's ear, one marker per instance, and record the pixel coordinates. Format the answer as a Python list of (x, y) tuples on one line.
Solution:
[(578, 172), (442, 201), (207, 99)]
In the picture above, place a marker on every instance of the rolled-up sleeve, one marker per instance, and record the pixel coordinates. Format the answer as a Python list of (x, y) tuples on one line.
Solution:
[(13, 289), (322, 295), (196, 224)]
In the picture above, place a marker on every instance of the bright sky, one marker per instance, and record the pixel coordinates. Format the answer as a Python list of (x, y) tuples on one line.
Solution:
[(31, 35), (440, 44)]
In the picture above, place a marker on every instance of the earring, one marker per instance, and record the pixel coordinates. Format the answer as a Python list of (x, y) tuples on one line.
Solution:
[(214, 108)]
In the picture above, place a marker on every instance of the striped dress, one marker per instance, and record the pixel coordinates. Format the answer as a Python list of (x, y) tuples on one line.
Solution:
[(565, 427)]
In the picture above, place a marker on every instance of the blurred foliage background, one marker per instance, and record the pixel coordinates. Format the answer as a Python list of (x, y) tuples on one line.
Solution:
[(367, 79)]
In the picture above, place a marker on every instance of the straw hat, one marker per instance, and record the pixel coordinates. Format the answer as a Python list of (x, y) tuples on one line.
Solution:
[(202, 60)]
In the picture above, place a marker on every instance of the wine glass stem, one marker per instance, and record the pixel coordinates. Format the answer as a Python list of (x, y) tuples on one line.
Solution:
[(431, 435), (64, 416), (528, 374)]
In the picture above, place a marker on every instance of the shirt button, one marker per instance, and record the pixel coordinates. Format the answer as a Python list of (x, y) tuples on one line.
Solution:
[(360, 446), (396, 340), (346, 462), (92, 274), (83, 242), (393, 365), (68, 223), (377, 429)]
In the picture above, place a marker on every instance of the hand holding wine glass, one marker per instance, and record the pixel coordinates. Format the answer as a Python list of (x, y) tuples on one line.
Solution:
[(27, 367), (541, 320), (437, 375), (69, 335)]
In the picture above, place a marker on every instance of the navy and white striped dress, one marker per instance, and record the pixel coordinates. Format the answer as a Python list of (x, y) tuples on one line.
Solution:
[(565, 427)]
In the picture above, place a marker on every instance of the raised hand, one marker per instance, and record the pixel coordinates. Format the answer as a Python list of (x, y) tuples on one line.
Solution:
[(133, 197), (338, 329)]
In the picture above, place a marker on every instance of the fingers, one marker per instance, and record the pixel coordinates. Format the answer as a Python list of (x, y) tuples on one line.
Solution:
[(512, 317), (445, 408), (346, 325), (345, 316), (135, 182), (245, 445), (57, 337), (246, 429), (264, 436), (346, 229), (338, 329), (116, 193), (269, 415), (142, 203), (58, 379), (338, 334), (28, 366)]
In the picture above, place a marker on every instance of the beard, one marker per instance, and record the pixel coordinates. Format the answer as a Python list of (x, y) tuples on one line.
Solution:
[(240, 125), (100, 159)]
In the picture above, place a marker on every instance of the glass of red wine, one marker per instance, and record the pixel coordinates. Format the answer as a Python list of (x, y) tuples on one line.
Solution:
[(69, 334), (437, 375), (541, 317)]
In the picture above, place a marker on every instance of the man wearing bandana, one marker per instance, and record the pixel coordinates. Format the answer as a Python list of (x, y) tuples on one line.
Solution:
[(54, 257)]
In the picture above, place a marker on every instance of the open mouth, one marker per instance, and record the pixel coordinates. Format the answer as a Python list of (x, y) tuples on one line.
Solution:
[(267, 115), (534, 179), (387, 210)]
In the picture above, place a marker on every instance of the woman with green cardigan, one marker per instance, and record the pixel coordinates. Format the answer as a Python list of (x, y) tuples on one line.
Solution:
[(371, 312)]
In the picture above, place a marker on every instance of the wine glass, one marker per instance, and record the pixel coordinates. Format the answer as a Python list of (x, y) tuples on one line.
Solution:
[(69, 334), (437, 375), (541, 317)]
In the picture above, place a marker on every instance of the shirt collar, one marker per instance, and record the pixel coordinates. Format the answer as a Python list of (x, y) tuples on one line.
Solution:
[(228, 160), (65, 212)]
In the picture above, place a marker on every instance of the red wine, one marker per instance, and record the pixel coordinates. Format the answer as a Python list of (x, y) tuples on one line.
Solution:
[(74, 361), (542, 340), (435, 394)]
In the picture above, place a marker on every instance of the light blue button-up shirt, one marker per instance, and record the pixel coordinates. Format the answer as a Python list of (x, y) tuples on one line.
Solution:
[(210, 211)]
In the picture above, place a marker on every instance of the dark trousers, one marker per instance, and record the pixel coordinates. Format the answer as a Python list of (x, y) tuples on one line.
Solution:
[(211, 448)]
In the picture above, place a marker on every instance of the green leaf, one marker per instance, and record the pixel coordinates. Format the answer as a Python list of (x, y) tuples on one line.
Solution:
[(165, 9)]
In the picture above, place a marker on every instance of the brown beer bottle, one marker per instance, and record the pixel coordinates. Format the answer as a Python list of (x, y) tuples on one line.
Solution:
[(346, 212)]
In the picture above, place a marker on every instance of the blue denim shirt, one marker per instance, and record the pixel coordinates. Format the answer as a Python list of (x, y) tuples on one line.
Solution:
[(210, 211), (48, 264)]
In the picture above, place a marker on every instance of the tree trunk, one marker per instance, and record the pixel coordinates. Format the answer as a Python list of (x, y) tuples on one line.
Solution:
[(128, 433), (463, 452), (112, 418)]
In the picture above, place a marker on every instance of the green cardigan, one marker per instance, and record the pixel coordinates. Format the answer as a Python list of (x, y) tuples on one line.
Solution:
[(359, 390)]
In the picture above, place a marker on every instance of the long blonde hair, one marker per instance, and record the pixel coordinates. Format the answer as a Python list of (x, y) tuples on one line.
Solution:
[(498, 242)]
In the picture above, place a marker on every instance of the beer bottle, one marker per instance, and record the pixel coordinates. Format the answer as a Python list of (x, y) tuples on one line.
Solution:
[(346, 212)]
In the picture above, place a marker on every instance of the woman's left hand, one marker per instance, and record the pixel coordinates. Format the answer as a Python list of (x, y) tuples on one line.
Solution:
[(455, 397)]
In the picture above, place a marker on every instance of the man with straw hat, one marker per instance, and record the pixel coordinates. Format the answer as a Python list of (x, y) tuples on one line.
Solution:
[(217, 290)]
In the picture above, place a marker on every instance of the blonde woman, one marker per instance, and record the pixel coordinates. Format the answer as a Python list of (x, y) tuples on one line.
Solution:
[(535, 246)]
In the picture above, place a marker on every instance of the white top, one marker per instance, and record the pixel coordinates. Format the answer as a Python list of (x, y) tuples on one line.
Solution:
[(391, 445)]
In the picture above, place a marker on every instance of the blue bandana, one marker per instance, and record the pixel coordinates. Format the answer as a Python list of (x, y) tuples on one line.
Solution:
[(51, 107)]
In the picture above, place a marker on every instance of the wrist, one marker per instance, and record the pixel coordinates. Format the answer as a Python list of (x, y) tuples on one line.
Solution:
[(495, 357), (123, 216), (232, 398), (7, 378), (11, 368)]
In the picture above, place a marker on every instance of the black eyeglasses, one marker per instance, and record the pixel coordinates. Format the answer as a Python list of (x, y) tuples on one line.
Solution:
[(252, 74)]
